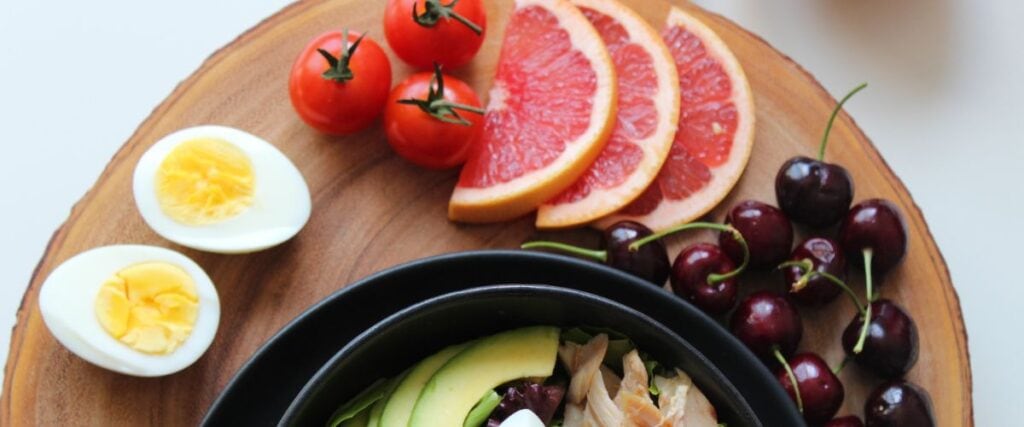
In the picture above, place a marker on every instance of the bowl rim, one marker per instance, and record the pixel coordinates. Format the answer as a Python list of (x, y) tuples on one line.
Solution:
[(232, 404), (389, 324)]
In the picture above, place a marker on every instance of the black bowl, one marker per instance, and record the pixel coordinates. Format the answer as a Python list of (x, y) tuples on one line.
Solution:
[(266, 384), (398, 342)]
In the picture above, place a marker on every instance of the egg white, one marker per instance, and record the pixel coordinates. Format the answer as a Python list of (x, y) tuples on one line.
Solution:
[(68, 296), (280, 208), (522, 418)]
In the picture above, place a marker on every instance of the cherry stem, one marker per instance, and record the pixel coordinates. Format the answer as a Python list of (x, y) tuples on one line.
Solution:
[(792, 377), (807, 266), (868, 253), (838, 282), (714, 278), (600, 256), (841, 365), (832, 119)]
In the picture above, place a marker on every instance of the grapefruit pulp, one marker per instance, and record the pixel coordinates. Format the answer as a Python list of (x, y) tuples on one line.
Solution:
[(648, 110), (715, 135), (549, 114)]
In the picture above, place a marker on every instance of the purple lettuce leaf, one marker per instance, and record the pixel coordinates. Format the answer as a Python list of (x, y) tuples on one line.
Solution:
[(542, 400)]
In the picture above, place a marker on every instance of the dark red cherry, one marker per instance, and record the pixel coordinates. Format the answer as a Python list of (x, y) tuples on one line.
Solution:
[(821, 392), (649, 262), (890, 348), (847, 421), (874, 224), (693, 278), (768, 233), (765, 321), (825, 257), (898, 404), (812, 192)]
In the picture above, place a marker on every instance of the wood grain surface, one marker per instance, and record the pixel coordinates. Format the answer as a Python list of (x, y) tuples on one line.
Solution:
[(373, 210)]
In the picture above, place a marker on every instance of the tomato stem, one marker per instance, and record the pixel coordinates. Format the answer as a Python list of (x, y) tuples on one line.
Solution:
[(434, 11), (832, 119), (436, 106), (339, 70)]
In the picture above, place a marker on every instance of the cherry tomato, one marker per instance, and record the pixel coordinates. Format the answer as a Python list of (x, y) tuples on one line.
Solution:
[(343, 94), (433, 125), (445, 33)]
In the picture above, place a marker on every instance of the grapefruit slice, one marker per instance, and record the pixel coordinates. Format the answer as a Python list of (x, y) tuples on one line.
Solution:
[(715, 135), (550, 112), (648, 110)]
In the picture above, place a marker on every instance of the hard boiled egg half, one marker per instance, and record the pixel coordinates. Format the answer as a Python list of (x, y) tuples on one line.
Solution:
[(219, 189), (138, 310)]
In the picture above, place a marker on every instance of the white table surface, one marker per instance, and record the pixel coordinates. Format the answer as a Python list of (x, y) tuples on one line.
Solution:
[(944, 108)]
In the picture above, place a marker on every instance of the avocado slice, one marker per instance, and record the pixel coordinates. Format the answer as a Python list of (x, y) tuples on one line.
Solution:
[(375, 411), (378, 408), (399, 406), (360, 420), (487, 363), (359, 406)]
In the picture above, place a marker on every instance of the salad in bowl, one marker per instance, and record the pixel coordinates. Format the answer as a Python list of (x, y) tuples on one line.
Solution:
[(533, 377)]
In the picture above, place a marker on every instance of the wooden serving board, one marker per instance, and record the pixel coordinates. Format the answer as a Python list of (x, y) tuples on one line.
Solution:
[(373, 210)]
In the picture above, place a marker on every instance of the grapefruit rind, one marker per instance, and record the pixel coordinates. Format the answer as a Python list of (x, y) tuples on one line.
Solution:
[(521, 195), (602, 202), (670, 213)]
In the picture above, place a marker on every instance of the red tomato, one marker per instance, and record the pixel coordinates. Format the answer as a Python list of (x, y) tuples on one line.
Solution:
[(439, 139), (445, 35), (340, 100)]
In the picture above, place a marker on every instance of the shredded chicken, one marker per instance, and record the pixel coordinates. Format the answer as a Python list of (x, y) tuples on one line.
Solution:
[(634, 398), (568, 354), (639, 411), (683, 404), (590, 403), (634, 374), (611, 380), (584, 367), (573, 415), (672, 397), (601, 411)]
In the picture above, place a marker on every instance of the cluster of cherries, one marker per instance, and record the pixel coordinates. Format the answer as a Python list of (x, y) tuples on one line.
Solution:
[(881, 337)]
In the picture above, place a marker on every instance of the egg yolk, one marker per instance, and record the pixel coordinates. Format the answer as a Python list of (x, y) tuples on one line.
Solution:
[(151, 307), (204, 181)]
